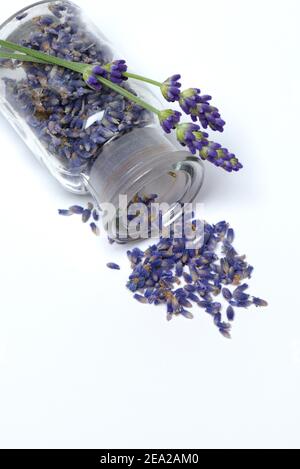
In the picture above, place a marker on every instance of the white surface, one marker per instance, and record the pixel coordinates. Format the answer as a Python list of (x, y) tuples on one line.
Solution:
[(81, 363)]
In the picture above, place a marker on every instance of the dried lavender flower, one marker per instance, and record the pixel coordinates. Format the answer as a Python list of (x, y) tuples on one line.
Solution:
[(199, 108), (95, 229), (113, 266), (230, 313)]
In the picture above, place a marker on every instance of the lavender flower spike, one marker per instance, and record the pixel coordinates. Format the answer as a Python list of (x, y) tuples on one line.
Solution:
[(171, 88), (214, 153), (189, 135), (199, 108), (169, 119), (116, 70)]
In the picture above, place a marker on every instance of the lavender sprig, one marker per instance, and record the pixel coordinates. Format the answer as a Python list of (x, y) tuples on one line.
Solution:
[(191, 101), (191, 136)]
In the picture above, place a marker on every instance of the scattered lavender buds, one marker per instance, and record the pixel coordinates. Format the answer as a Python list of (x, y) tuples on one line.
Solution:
[(21, 16), (158, 272), (113, 266), (171, 88)]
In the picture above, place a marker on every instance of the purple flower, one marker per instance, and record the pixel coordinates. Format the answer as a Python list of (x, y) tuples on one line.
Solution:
[(169, 119), (100, 71), (171, 88), (116, 70), (189, 135), (199, 108), (94, 83), (214, 153)]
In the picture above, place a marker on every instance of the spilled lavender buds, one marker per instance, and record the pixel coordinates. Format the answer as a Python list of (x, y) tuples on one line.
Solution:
[(169, 274)]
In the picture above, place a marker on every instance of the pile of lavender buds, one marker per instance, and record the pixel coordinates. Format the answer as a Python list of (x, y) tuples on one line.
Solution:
[(56, 102), (169, 274)]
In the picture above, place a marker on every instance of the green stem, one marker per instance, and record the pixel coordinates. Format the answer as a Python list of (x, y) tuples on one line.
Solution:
[(141, 78), (80, 68), (128, 95), (134, 76), (21, 58), (44, 57)]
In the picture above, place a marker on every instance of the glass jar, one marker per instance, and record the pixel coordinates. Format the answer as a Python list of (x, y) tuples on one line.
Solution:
[(96, 143)]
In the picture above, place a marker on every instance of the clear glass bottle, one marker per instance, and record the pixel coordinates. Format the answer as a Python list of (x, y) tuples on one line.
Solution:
[(91, 142)]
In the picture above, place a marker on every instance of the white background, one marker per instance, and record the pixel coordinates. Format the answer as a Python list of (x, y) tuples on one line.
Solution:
[(82, 364)]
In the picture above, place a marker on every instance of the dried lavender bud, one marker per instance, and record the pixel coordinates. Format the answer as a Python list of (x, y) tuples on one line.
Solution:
[(113, 266), (260, 303), (86, 215), (76, 210), (21, 16), (65, 213), (187, 314), (230, 236), (141, 299), (96, 216), (95, 229), (157, 271), (227, 294), (55, 101), (230, 313)]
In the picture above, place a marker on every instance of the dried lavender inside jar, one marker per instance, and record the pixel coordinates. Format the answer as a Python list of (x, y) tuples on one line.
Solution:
[(71, 121)]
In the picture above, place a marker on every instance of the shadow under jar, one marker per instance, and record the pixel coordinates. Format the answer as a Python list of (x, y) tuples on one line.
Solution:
[(96, 143)]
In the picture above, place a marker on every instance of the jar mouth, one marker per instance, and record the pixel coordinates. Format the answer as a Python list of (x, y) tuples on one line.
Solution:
[(178, 185), (143, 166)]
